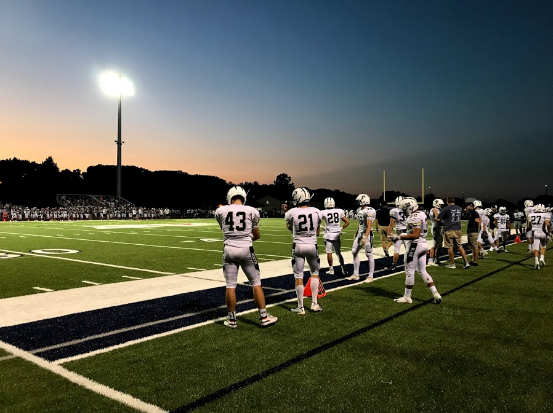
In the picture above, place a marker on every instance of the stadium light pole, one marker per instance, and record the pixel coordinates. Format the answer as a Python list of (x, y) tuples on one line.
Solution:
[(115, 84), (545, 189)]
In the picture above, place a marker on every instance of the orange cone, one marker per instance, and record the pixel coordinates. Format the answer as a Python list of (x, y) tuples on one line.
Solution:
[(307, 290), (517, 240)]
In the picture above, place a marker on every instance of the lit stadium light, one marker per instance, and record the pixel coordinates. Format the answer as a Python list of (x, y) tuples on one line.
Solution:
[(113, 84)]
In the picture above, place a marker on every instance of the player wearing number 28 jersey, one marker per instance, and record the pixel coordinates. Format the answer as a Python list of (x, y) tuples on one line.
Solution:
[(304, 223), (333, 218)]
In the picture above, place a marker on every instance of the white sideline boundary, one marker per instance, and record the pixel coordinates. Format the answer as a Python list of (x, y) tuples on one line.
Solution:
[(82, 381)]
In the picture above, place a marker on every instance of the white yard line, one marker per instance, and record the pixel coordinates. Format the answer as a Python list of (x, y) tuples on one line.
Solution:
[(82, 381), (130, 243), (43, 289), (131, 278), (89, 262), (91, 283)]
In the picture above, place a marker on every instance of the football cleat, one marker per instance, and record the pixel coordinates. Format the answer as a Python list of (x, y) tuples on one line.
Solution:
[(437, 297), (267, 321), (474, 264), (406, 300), (369, 279), (466, 266), (298, 310), (386, 253), (316, 307), (537, 266), (354, 277), (230, 323), (330, 271), (542, 263)]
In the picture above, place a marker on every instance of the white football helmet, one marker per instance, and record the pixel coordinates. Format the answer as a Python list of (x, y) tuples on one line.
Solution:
[(408, 205), (398, 200), (363, 199), (300, 196), (329, 203), (236, 191), (539, 208), (437, 203), (502, 210), (528, 203), (477, 203), (487, 211)]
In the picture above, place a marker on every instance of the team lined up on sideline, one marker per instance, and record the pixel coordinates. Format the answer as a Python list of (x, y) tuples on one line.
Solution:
[(407, 226)]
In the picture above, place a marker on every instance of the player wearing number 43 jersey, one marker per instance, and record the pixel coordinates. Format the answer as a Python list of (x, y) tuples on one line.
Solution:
[(239, 223), (304, 222), (415, 254), (333, 218)]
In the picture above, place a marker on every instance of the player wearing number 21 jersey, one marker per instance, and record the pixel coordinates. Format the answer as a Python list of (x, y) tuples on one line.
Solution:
[(239, 224), (304, 222)]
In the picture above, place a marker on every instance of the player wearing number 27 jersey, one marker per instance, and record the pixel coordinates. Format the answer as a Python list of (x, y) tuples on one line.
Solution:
[(304, 223)]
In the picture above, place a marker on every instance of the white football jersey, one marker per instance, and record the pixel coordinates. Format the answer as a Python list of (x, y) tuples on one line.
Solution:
[(537, 219), (398, 215), (481, 215), (364, 215), (237, 222), (527, 212), (304, 223), (501, 221), (333, 219), (518, 216), (417, 219), (433, 214)]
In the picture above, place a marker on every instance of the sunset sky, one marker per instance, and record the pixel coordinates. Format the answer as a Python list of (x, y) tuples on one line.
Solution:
[(330, 92)]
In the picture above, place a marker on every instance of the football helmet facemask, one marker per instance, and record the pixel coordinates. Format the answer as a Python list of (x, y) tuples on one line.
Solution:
[(437, 203), (408, 205), (502, 210), (236, 191), (363, 199)]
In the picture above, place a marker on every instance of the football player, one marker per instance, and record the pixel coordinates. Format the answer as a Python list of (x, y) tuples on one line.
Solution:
[(364, 237), (415, 252), (304, 222), (503, 225), (481, 214), (436, 232), (335, 221), (397, 217), (528, 209), (541, 225), (239, 224)]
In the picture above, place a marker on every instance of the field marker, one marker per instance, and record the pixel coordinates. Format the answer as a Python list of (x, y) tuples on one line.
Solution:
[(90, 262), (42, 289), (82, 381), (91, 283), (198, 269), (132, 278)]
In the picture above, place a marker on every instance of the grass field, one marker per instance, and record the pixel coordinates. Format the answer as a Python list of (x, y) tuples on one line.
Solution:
[(486, 348)]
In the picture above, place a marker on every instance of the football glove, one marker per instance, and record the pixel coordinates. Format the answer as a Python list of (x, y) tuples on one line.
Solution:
[(393, 237), (362, 241)]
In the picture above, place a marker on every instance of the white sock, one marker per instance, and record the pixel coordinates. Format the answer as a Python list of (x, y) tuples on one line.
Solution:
[(299, 293), (314, 289), (537, 261), (433, 289), (356, 264), (542, 258), (371, 265), (408, 292)]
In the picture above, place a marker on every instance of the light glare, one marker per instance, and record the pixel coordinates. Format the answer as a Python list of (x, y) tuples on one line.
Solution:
[(113, 84)]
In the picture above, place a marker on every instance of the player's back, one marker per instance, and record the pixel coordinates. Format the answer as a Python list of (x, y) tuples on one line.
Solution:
[(332, 218), (417, 219), (304, 222), (237, 222), (537, 219), (398, 215)]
